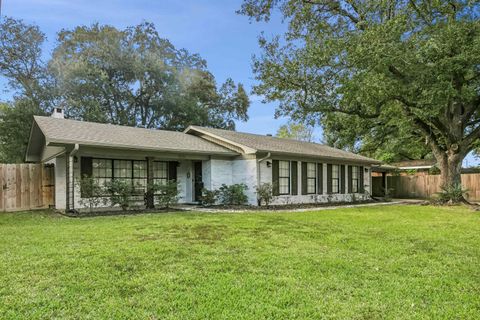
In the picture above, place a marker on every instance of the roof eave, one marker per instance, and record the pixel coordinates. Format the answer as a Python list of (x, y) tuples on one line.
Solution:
[(367, 161), (51, 141)]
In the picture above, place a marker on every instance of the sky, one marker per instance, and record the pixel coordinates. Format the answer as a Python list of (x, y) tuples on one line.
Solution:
[(211, 28)]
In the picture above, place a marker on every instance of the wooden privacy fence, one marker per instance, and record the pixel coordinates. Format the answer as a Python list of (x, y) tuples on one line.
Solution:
[(26, 186), (425, 186)]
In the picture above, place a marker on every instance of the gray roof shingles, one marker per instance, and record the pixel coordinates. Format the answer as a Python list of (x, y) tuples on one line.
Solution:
[(99, 134), (285, 146)]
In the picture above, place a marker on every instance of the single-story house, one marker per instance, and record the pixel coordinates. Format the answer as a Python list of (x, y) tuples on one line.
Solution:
[(199, 157)]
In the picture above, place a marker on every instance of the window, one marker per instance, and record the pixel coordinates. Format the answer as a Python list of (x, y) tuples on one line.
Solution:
[(311, 178), (355, 179), (131, 171), (335, 178), (160, 172), (140, 176), (284, 177), (102, 171)]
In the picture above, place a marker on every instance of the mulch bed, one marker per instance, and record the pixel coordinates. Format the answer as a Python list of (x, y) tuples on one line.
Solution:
[(102, 213), (286, 206)]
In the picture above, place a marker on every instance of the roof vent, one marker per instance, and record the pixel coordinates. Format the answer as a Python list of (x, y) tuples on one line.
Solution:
[(58, 113), (269, 135)]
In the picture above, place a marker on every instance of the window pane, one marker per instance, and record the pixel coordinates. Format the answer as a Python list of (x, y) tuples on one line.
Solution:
[(355, 185), (122, 168), (139, 169), (335, 169), (284, 169), (311, 170), (335, 186), (311, 185), (160, 170), (284, 185), (101, 168)]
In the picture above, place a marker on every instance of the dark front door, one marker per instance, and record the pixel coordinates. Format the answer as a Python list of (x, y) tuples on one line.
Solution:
[(197, 180)]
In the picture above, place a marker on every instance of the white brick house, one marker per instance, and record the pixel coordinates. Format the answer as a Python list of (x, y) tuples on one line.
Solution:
[(197, 158)]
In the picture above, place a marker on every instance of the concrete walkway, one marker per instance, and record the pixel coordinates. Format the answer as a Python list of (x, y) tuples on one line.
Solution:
[(332, 207)]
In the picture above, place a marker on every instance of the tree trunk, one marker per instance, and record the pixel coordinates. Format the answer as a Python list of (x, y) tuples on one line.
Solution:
[(450, 167)]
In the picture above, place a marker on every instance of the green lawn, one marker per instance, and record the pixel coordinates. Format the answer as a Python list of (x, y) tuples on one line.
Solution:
[(389, 262)]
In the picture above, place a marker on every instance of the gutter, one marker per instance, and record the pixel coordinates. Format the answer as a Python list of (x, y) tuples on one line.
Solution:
[(70, 177), (258, 166)]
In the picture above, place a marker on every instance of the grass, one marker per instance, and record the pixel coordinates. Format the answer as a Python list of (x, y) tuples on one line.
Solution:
[(392, 262)]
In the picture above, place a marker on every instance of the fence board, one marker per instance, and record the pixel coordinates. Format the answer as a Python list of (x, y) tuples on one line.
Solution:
[(425, 186), (26, 186), (2, 190)]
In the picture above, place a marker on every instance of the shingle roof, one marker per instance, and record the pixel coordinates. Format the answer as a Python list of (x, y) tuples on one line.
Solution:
[(283, 146), (98, 134)]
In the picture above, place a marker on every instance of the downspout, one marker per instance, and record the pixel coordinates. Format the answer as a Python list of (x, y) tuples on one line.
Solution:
[(258, 167), (70, 186)]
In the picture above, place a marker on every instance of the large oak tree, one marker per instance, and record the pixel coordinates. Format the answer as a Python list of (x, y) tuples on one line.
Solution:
[(393, 69)]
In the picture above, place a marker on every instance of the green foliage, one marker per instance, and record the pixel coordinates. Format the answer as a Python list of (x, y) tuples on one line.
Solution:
[(233, 194), (151, 83), (390, 79), (387, 194), (91, 192), (297, 131), (15, 123), (452, 194), (99, 73), (264, 193), (120, 193), (20, 59), (166, 194), (209, 197), (411, 172), (434, 170)]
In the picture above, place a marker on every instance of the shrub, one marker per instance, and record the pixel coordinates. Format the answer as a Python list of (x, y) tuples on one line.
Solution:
[(387, 194), (233, 194), (434, 170), (91, 192), (452, 194), (264, 193), (120, 192), (209, 197), (166, 194)]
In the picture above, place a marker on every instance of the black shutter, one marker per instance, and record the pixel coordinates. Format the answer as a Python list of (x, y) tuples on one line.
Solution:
[(172, 170), (304, 178), (350, 180), (361, 187), (329, 178), (319, 178), (275, 182), (294, 175), (86, 167), (342, 180)]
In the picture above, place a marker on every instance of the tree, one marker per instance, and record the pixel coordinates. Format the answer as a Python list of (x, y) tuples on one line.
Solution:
[(297, 131), (21, 63), (133, 77), (389, 66), (22, 67), (15, 122)]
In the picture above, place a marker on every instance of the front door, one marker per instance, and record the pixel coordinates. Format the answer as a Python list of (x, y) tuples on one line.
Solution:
[(197, 180)]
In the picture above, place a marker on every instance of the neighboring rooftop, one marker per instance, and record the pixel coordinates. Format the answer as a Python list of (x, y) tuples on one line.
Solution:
[(64, 131), (415, 164), (277, 145)]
